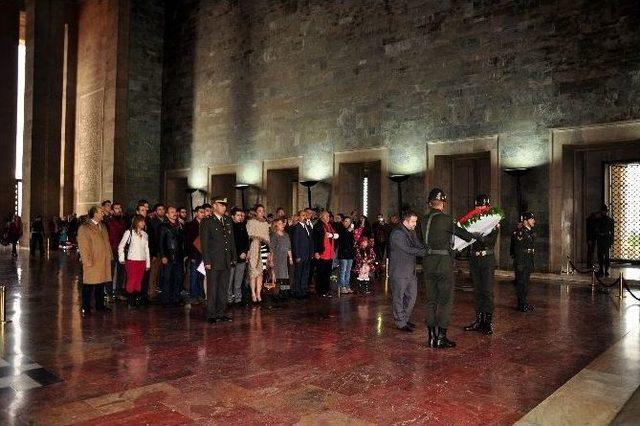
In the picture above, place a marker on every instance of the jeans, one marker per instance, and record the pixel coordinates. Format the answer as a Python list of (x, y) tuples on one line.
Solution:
[(236, 278), (196, 280), (345, 272), (172, 276)]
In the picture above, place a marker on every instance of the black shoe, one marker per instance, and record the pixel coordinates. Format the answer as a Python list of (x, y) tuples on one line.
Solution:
[(442, 342), (214, 320), (405, 328), (431, 338), (85, 312), (410, 324), (487, 325), (477, 324), (529, 307), (226, 319)]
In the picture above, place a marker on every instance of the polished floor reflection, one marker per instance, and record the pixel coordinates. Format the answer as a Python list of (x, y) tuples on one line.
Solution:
[(338, 361)]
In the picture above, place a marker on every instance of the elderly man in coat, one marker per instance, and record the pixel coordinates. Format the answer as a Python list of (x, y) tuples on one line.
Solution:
[(95, 252), (404, 247)]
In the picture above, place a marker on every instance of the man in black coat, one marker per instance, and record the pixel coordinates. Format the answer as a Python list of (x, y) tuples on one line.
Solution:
[(171, 253), (219, 255), (604, 238)]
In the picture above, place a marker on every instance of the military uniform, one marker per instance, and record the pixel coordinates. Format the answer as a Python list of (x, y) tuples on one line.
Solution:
[(482, 265), (604, 240), (439, 229), (523, 250), (219, 251)]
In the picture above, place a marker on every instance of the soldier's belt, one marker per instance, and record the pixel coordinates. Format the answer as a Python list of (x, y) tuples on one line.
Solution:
[(439, 252), (481, 253), (531, 251)]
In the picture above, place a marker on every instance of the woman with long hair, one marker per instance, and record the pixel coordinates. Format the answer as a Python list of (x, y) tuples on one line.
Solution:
[(135, 257), (258, 230)]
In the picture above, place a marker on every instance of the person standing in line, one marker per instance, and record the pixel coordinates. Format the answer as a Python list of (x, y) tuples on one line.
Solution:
[(133, 253), (404, 248), (280, 257), (302, 250), (116, 226), (95, 251), (365, 257), (241, 240), (258, 231), (380, 230), (171, 254), (482, 266), (153, 230), (324, 237), (346, 253), (219, 254), (523, 251), (196, 279), (439, 229)]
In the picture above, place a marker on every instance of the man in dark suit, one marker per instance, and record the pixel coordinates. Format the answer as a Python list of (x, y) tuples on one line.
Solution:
[(302, 248), (219, 254), (404, 247)]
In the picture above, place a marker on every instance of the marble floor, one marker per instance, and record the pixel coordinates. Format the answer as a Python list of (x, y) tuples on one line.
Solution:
[(338, 361)]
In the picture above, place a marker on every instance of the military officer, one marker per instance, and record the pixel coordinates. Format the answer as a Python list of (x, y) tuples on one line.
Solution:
[(482, 265), (523, 250), (219, 254), (604, 239), (439, 229)]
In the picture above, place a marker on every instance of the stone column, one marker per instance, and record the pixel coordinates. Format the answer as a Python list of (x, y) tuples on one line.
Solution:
[(9, 33), (43, 108)]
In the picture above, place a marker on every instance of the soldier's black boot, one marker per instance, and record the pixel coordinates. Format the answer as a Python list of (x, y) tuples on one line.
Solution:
[(477, 324), (442, 342), (431, 339), (487, 324)]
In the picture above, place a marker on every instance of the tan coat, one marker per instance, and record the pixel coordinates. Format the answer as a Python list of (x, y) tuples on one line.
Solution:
[(95, 251)]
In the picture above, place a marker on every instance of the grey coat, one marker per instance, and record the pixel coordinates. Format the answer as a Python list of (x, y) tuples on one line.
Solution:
[(404, 247)]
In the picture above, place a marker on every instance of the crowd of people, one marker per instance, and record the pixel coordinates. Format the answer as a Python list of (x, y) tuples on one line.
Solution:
[(219, 257), (224, 257)]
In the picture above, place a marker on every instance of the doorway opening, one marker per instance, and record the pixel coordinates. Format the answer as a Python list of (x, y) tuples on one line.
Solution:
[(360, 187), (622, 192), (22, 57), (224, 185), (462, 177), (283, 190)]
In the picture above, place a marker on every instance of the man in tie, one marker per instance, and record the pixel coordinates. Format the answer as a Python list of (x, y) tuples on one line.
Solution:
[(302, 250), (219, 254)]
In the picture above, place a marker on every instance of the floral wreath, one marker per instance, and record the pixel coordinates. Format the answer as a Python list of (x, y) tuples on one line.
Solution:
[(480, 212)]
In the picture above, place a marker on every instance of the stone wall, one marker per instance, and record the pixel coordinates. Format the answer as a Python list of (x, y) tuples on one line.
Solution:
[(246, 81)]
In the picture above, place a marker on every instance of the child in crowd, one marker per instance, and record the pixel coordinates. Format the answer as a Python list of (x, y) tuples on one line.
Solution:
[(364, 260)]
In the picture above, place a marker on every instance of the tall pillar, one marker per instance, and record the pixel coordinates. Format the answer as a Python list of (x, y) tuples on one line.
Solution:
[(43, 108), (9, 34)]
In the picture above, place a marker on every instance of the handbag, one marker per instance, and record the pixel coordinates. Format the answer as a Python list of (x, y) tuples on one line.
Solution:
[(269, 280), (127, 245)]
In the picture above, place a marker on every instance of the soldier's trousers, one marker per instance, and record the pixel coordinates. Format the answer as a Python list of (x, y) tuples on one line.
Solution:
[(439, 297), (404, 291), (603, 256), (217, 287), (482, 272), (522, 283)]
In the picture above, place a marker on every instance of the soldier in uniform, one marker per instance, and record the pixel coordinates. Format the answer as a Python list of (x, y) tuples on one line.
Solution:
[(604, 240), (439, 229), (482, 264), (522, 250), (218, 254)]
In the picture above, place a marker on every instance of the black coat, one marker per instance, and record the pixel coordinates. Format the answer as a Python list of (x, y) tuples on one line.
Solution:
[(171, 242), (302, 242), (217, 242), (346, 244), (241, 238)]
